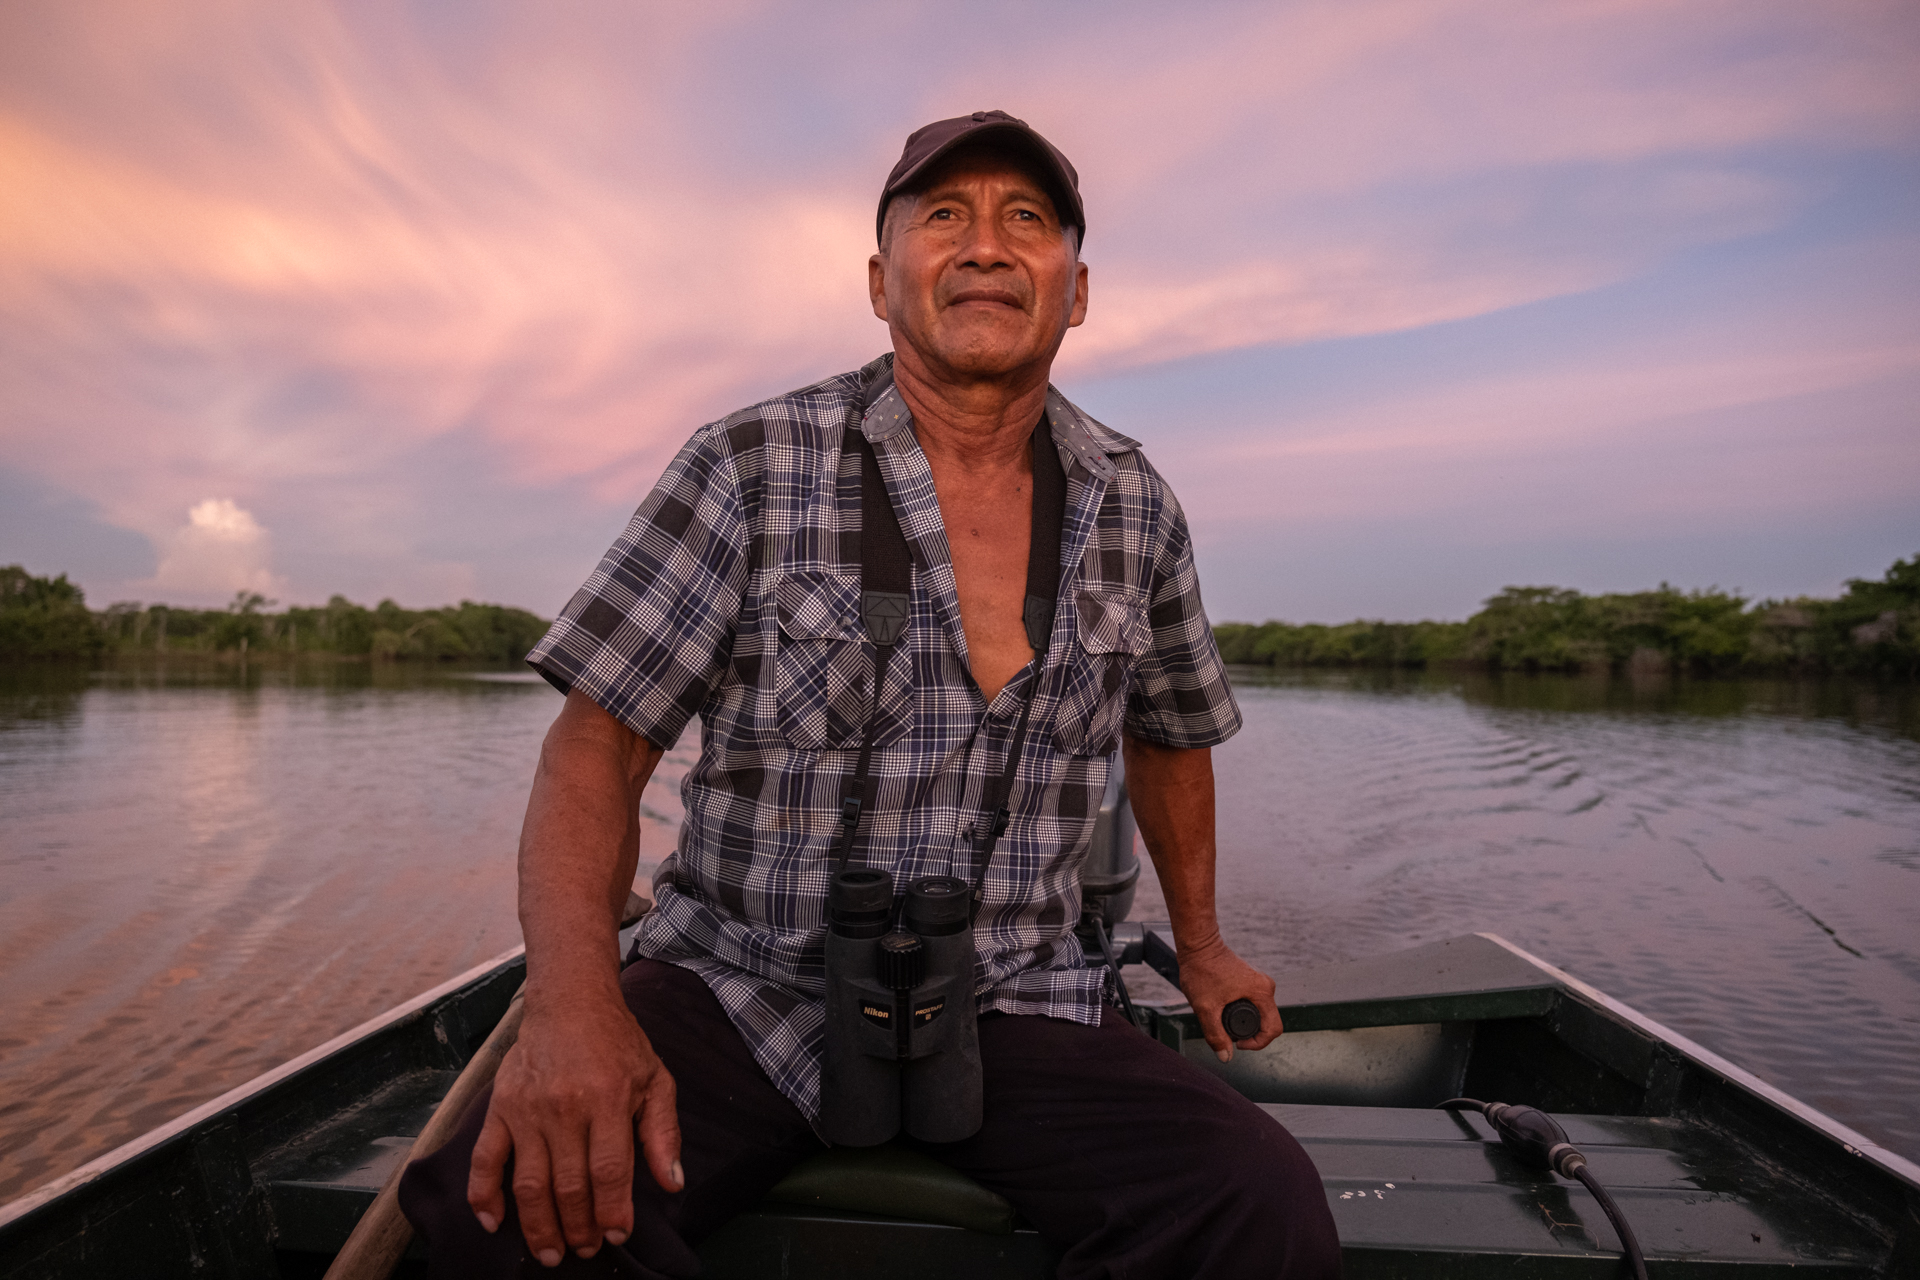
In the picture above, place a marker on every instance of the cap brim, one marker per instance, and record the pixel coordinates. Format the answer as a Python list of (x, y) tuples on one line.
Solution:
[(1013, 137)]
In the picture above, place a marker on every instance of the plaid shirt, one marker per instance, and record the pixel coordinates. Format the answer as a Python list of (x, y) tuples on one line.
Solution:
[(734, 594)]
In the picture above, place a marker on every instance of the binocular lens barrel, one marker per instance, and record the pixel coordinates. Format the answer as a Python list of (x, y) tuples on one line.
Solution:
[(938, 906), (859, 903)]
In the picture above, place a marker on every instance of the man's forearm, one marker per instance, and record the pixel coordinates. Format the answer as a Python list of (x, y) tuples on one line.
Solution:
[(1172, 795), (579, 849)]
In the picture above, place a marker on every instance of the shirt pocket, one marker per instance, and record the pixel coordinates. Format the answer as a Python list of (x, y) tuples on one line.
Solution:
[(1110, 637), (824, 668)]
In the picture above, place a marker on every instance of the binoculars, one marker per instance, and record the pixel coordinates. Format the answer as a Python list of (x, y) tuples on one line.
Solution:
[(902, 1042)]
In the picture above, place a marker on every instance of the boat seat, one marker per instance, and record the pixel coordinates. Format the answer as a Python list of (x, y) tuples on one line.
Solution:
[(897, 1181)]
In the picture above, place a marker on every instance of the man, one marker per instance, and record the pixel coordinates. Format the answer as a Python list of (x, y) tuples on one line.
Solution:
[(735, 594)]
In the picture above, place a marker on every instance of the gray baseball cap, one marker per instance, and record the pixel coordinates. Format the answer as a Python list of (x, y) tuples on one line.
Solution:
[(927, 145)]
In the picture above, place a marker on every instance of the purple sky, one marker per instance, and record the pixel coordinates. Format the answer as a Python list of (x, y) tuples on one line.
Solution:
[(1410, 301)]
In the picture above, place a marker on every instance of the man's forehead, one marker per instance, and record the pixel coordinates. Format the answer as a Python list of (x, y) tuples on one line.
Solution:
[(971, 164)]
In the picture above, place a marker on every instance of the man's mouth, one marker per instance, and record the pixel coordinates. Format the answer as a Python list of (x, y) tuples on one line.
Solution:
[(992, 297)]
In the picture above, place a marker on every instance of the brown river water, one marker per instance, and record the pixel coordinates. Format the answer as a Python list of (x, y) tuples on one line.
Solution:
[(206, 869)]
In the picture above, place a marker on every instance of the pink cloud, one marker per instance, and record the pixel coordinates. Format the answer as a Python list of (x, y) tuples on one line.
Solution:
[(1798, 405), (243, 249)]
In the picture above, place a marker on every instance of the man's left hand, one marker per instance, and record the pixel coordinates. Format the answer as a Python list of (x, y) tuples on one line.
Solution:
[(1213, 977)]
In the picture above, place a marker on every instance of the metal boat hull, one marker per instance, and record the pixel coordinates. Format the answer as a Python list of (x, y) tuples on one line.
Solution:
[(1721, 1174)]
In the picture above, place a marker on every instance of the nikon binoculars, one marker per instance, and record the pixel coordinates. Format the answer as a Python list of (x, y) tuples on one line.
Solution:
[(902, 1044)]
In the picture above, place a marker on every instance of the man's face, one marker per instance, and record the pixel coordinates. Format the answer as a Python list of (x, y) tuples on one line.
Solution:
[(978, 279)]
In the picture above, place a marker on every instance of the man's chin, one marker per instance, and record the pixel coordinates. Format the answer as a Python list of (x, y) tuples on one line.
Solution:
[(977, 361)]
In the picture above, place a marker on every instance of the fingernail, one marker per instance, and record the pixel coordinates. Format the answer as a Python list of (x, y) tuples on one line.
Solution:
[(1225, 1055), (549, 1257), (679, 1175), (616, 1236), (487, 1220), (587, 1250)]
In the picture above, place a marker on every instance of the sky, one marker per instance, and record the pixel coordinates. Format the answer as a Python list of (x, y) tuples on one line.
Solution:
[(1410, 301)]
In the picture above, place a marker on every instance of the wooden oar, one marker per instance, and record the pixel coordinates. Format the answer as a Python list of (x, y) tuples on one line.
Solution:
[(383, 1232)]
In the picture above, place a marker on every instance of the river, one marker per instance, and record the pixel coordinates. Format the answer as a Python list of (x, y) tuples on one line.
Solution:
[(206, 869)]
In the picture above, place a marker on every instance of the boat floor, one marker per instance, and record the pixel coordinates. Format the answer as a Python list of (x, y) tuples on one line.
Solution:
[(1718, 1174), (1404, 1184)]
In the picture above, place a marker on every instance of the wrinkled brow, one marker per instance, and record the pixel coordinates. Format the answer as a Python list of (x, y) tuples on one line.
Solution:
[(960, 194)]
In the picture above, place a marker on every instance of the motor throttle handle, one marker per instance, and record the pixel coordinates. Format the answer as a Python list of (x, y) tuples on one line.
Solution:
[(1241, 1020)]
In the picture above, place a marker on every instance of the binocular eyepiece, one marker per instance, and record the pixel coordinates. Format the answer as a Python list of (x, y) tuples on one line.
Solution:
[(902, 1046)]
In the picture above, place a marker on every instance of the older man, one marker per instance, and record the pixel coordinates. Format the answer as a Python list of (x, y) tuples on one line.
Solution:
[(736, 594)]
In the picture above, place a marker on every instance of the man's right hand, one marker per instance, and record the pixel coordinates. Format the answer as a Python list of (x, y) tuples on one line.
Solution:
[(565, 1106)]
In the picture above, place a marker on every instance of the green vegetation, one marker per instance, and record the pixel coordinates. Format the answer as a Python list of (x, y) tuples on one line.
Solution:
[(48, 618), (1874, 629), (45, 617)]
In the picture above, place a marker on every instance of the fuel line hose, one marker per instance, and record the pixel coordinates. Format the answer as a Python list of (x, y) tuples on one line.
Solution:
[(1539, 1141)]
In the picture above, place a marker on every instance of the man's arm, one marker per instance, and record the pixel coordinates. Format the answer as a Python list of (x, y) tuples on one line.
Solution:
[(1172, 794), (568, 1091)]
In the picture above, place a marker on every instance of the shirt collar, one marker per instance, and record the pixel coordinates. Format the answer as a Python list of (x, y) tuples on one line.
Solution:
[(1079, 438)]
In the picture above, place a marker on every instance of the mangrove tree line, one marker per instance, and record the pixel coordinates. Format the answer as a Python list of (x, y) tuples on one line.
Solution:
[(48, 618), (1874, 628)]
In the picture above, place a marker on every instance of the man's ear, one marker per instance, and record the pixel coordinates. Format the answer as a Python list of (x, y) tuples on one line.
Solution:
[(877, 284), (1079, 313)]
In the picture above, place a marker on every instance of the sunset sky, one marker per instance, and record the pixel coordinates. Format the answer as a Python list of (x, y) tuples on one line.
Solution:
[(1409, 301)]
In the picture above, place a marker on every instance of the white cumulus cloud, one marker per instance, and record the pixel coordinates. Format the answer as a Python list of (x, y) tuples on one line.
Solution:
[(221, 549)]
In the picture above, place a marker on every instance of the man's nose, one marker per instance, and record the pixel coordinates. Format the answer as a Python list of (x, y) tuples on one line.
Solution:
[(985, 246)]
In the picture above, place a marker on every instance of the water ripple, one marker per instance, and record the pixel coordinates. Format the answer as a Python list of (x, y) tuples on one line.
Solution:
[(1743, 876)]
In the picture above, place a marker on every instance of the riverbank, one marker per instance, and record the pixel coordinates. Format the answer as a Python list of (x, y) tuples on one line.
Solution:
[(49, 618), (1872, 630)]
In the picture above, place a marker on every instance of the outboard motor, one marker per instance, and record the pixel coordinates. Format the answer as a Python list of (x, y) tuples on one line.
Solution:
[(1107, 881), (1112, 870)]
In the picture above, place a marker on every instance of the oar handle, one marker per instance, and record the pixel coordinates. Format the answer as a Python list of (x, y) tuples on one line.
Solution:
[(383, 1232)]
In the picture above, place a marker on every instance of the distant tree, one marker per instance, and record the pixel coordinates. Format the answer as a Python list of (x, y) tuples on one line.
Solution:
[(1875, 626), (1536, 629), (243, 625), (45, 618)]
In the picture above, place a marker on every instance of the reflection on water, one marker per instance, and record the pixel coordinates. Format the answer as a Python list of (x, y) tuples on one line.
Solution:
[(1737, 859), (206, 870)]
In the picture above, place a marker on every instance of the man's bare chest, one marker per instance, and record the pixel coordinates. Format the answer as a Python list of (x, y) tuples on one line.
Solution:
[(989, 535)]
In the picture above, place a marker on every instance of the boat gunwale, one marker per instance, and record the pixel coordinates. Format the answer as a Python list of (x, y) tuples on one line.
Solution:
[(185, 1123), (1850, 1140)]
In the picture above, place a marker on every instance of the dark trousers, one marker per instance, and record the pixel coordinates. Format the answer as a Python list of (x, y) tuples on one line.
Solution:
[(1129, 1158)]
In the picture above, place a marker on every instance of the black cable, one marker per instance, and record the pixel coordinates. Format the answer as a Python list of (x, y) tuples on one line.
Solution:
[(1628, 1241), (1539, 1141)]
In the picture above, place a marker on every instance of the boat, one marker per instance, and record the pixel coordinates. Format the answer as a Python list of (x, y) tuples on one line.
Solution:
[(1718, 1173)]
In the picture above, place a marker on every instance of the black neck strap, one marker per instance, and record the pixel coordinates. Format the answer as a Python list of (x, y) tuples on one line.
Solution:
[(886, 566)]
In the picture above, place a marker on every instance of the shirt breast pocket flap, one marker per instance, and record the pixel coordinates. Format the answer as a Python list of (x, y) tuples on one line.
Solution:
[(1111, 635), (825, 667)]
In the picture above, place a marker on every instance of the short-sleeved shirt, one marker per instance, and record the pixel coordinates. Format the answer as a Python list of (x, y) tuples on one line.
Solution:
[(734, 595)]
